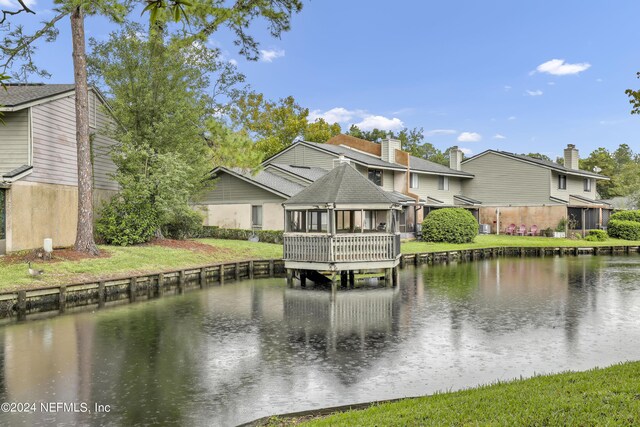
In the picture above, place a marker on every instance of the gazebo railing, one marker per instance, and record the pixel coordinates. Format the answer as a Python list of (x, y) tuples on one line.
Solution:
[(354, 247)]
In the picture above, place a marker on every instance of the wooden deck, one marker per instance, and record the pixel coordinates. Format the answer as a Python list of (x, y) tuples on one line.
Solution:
[(347, 249)]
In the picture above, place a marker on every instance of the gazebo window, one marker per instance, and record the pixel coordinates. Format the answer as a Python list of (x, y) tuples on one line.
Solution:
[(318, 221), (375, 176), (343, 221), (296, 221)]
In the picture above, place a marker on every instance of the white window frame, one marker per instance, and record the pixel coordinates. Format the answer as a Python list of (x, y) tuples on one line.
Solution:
[(587, 185), (414, 180), (258, 208), (443, 183), (562, 179)]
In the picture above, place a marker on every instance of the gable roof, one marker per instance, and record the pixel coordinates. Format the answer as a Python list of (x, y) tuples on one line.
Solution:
[(305, 172), (343, 185), (416, 164), (539, 162), (19, 95), (263, 179)]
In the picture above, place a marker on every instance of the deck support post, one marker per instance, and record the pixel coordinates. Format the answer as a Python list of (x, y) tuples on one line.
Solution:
[(388, 277), (343, 279), (352, 279), (289, 277), (334, 282), (396, 277), (303, 278)]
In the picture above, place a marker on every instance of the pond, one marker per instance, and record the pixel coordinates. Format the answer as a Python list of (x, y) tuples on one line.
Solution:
[(230, 354)]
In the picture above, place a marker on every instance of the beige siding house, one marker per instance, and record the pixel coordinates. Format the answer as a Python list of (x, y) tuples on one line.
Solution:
[(38, 170), (422, 185), (516, 189)]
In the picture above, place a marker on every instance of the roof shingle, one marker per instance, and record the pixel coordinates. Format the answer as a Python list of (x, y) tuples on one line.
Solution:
[(16, 95)]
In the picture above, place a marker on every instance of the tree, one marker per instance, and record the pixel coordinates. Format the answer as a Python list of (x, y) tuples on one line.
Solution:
[(273, 125), (321, 131), (538, 156), (601, 158), (167, 127), (206, 18)]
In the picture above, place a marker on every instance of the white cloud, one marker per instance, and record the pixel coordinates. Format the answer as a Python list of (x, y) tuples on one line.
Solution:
[(499, 136), (537, 92), (551, 83), (435, 132), (270, 55), (380, 122), (466, 151), (558, 67), (469, 137), (233, 62), (14, 3), (337, 114), (507, 88), (511, 118), (599, 80)]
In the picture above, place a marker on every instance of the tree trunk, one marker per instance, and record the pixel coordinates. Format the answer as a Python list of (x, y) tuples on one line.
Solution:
[(84, 235)]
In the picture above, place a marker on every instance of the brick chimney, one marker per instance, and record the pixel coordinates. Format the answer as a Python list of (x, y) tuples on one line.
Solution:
[(455, 158), (571, 157), (389, 147)]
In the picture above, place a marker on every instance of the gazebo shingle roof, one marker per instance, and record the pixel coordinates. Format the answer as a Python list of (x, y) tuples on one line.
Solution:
[(342, 185)]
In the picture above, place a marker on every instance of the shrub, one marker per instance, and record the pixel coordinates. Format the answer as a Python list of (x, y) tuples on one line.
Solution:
[(624, 229), (185, 223), (626, 216), (596, 236), (562, 225), (267, 236), (548, 232), (124, 223), (450, 225)]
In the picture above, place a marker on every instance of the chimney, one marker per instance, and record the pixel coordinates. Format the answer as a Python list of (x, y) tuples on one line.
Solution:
[(389, 147), (340, 160), (455, 158), (571, 157)]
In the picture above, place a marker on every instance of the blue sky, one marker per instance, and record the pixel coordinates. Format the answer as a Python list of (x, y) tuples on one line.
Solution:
[(523, 76)]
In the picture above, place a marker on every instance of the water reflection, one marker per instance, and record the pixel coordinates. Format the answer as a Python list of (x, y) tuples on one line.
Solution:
[(241, 351)]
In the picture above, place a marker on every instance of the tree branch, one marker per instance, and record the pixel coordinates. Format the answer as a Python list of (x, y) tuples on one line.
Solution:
[(7, 13)]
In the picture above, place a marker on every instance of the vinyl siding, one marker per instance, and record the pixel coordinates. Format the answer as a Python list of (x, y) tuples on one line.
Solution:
[(229, 189), (54, 144), (387, 180), (575, 185), (428, 187), (14, 140), (501, 180), (301, 155)]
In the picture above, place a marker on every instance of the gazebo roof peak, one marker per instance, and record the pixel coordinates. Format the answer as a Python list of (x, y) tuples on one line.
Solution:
[(342, 185)]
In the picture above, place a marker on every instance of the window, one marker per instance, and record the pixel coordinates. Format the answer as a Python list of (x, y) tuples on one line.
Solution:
[(562, 182), (256, 216), (343, 220), (2, 217), (375, 176), (443, 183), (587, 184), (414, 181), (318, 221), (296, 221)]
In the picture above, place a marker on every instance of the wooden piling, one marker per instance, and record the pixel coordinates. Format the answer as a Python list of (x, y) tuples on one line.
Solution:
[(132, 289), (250, 269), (221, 275), (102, 297), (62, 299), (181, 281), (203, 277), (21, 306), (290, 277), (271, 268), (160, 285)]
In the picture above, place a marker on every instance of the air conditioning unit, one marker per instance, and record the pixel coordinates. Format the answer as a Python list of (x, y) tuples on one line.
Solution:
[(485, 229)]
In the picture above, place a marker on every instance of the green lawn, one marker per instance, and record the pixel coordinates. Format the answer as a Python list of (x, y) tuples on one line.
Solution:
[(599, 397), (134, 259), (491, 240)]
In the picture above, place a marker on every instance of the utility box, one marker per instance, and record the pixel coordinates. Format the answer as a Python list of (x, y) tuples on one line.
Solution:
[(485, 229)]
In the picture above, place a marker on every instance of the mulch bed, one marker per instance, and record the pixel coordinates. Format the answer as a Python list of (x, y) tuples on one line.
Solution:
[(58, 255)]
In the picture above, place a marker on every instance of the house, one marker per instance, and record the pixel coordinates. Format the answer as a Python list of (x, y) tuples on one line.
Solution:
[(517, 189), (245, 200), (38, 169)]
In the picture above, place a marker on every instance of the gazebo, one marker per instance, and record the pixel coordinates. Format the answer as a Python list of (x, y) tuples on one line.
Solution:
[(341, 223)]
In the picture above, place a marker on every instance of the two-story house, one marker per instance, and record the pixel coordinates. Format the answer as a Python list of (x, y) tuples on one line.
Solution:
[(38, 168), (241, 199), (517, 189)]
